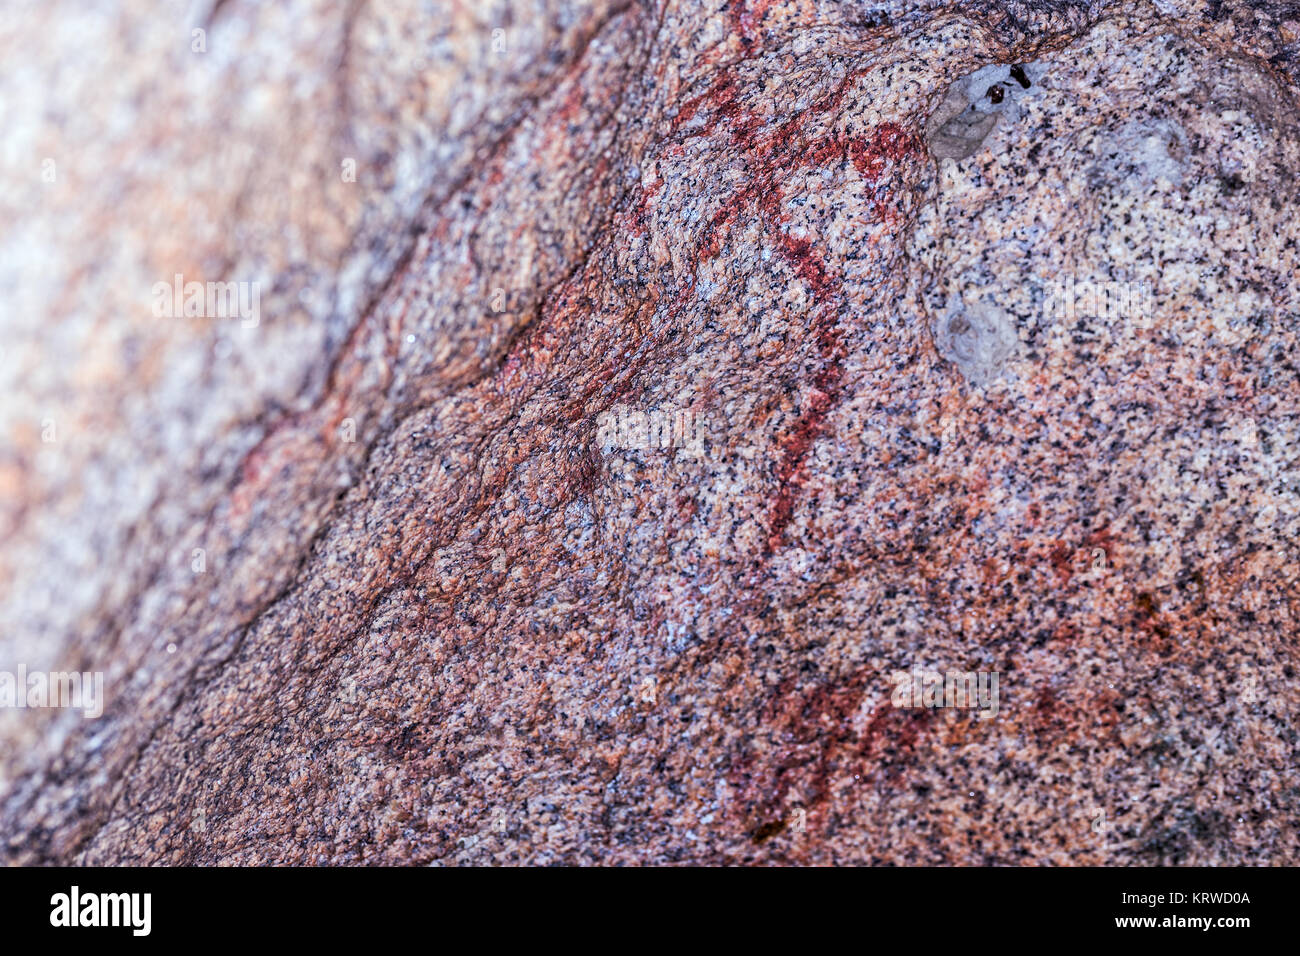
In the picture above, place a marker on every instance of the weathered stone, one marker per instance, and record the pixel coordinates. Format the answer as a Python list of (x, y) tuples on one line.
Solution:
[(393, 575)]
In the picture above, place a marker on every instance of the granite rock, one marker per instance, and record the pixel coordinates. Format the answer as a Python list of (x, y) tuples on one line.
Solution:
[(630, 404)]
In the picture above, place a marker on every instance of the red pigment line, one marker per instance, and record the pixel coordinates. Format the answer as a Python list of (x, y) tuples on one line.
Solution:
[(787, 149), (791, 472), (723, 98), (889, 142), (814, 742), (893, 726), (810, 728)]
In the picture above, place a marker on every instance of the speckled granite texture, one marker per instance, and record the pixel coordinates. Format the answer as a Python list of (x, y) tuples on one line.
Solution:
[(637, 389)]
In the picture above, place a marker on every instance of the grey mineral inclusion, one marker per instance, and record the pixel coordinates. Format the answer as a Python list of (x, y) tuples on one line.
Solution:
[(978, 339), (973, 104)]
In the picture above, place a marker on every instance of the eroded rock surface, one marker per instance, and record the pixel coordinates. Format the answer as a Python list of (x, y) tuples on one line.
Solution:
[(637, 389)]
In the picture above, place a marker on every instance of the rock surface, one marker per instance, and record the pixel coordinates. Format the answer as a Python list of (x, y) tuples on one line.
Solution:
[(637, 388)]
